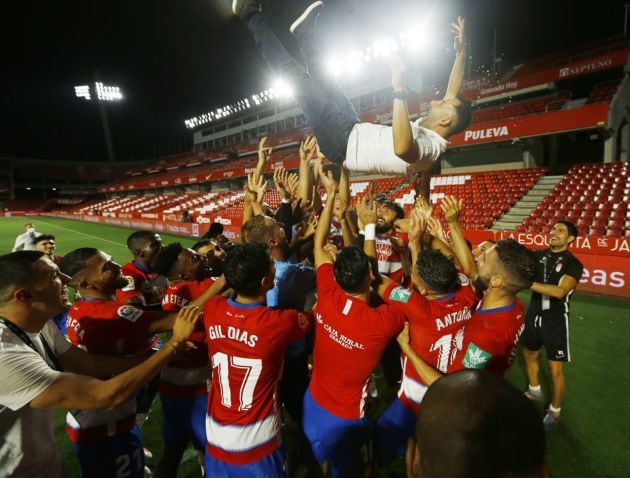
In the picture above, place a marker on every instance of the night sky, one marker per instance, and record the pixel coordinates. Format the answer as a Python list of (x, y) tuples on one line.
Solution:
[(174, 59)]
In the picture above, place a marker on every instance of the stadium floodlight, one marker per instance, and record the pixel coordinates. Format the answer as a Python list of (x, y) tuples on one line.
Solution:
[(333, 65), (103, 92), (83, 91), (282, 89)]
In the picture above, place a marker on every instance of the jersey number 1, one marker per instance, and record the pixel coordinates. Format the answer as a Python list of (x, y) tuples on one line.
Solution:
[(252, 369)]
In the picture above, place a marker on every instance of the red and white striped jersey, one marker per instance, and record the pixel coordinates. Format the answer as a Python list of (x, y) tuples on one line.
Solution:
[(246, 346)]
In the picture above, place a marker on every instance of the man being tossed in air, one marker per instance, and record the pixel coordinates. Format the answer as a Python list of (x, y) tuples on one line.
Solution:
[(342, 137)]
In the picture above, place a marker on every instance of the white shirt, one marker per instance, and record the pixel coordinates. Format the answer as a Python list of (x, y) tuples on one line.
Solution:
[(371, 148), (26, 241), (27, 439)]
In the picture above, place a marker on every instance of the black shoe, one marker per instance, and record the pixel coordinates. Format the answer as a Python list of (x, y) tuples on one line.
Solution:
[(308, 16), (239, 7)]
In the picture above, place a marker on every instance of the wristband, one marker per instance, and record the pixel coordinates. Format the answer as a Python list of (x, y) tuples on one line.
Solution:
[(286, 201), (172, 345), (370, 232)]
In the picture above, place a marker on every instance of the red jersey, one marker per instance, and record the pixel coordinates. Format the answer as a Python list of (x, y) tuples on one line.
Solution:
[(350, 337), (246, 345), (106, 327), (186, 376), (436, 328), (142, 283), (490, 339)]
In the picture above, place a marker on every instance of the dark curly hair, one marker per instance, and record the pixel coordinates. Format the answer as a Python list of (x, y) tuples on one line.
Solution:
[(245, 267), (438, 271)]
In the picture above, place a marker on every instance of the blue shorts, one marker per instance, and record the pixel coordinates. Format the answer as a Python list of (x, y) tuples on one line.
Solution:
[(344, 444), (393, 428), (271, 466), (184, 420), (119, 455)]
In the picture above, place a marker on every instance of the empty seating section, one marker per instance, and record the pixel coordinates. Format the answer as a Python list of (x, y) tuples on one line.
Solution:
[(522, 108), (603, 92), (486, 195), (593, 196)]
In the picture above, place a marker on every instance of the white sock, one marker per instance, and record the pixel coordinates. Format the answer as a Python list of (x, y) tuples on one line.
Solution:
[(555, 410), (535, 390)]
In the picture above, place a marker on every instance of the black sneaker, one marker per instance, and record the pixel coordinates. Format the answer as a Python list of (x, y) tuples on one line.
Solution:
[(309, 14), (239, 6)]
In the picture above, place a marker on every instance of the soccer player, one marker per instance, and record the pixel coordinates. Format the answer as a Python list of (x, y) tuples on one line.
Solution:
[(492, 334), (184, 381), (246, 345), (97, 323), (214, 254), (437, 311), (294, 288), (350, 337), (46, 243), (474, 424), (547, 319), (40, 371), (145, 288), (364, 147)]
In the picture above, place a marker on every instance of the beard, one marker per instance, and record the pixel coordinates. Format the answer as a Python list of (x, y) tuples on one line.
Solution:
[(383, 228), (481, 283)]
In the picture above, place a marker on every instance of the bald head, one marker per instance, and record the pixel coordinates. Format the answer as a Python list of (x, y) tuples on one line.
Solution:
[(475, 424)]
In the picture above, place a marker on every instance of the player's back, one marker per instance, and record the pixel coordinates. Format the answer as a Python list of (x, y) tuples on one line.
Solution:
[(436, 327), (350, 337), (246, 345)]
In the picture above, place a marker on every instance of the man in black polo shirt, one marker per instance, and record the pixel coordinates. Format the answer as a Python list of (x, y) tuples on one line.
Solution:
[(547, 319)]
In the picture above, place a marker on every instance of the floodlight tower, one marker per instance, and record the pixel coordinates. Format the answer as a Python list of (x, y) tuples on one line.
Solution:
[(103, 94)]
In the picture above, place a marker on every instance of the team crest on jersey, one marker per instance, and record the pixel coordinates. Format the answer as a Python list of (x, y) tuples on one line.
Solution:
[(129, 313), (302, 321), (463, 280), (476, 357), (131, 284), (400, 294)]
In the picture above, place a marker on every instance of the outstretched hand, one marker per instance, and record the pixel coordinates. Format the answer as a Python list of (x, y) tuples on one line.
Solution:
[(399, 69), (264, 151), (366, 210), (459, 31), (308, 148), (451, 207)]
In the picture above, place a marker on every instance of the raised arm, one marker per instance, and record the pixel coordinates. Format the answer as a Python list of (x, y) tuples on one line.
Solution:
[(367, 221), (264, 156), (306, 174), (456, 79), (80, 391), (323, 226), (404, 145), (451, 207)]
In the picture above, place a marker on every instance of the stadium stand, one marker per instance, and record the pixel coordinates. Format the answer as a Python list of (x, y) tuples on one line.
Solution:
[(594, 196)]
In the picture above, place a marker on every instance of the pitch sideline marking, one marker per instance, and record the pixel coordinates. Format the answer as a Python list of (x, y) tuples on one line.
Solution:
[(84, 234)]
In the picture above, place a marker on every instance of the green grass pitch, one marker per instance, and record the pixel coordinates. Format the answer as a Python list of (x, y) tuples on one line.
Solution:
[(591, 441)]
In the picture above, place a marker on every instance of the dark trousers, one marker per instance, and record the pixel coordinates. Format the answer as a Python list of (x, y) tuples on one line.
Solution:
[(326, 108)]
